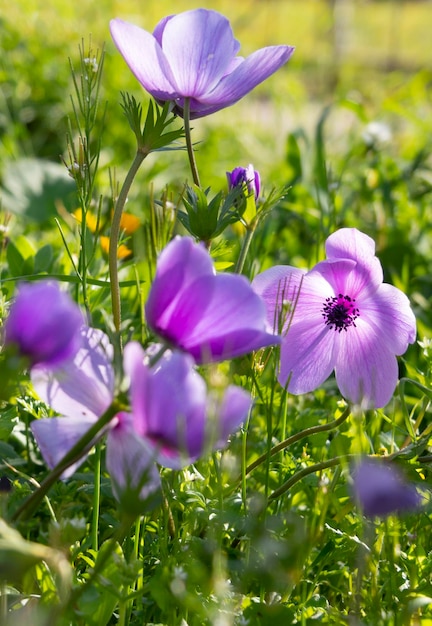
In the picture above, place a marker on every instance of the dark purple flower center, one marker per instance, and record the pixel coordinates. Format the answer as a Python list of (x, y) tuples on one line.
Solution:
[(340, 312)]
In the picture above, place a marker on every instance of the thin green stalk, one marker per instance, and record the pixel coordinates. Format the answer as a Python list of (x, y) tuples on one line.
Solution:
[(189, 146), (96, 498), (250, 231), (101, 561), (243, 464), (114, 236), (311, 469), (75, 453), (307, 432)]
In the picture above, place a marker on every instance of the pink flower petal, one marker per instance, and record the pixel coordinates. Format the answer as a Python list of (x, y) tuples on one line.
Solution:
[(307, 356), (389, 313), (366, 370), (276, 286)]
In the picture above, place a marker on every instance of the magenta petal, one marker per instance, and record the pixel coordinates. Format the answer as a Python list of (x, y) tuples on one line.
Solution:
[(130, 463), (233, 411), (168, 404), (220, 319), (199, 46), (43, 323), (55, 436), (366, 370), (145, 58), (213, 317), (180, 263), (83, 387)]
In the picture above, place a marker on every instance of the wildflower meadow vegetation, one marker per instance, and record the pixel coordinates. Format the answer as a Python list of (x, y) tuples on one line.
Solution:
[(216, 329)]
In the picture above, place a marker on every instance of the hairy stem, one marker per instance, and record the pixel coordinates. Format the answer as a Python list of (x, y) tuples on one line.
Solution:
[(75, 453), (114, 236), (311, 469), (297, 437), (190, 150)]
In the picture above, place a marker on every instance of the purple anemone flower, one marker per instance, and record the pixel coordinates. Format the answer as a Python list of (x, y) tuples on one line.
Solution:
[(173, 410), (193, 55), (44, 323), (211, 316), (81, 391), (245, 176), (380, 489), (340, 316)]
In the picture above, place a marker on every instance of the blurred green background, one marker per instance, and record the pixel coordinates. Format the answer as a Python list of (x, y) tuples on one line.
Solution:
[(357, 50)]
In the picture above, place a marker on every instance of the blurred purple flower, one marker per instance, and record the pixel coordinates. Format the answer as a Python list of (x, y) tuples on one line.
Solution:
[(245, 176), (81, 391), (193, 55), (43, 323), (380, 489), (341, 317), (211, 316), (173, 410)]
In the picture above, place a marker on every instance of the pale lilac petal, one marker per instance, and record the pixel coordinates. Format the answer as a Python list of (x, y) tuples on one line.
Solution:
[(366, 370), (350, 243), (251, 72), (180, 263), (83, 387), (233, 411), (199, 46), (55, 436), (277, 286), (220, 319), (145, 58), (307, 356), (390, 315), (130, 462)]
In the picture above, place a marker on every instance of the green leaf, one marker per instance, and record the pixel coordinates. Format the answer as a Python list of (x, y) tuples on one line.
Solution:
[(33, 187)]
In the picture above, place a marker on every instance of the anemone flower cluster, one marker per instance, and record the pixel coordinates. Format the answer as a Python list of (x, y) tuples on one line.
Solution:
[(173, 418), (339, 316), (193, 55)]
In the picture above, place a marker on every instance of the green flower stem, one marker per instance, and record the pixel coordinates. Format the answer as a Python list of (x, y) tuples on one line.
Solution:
[(115, 233), (313, 430), (311, 469), (190, 150), (250, 231), (75, 453), (96, 498)]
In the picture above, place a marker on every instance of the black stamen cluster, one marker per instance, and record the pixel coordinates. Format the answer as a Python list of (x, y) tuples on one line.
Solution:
[(340, 312)]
